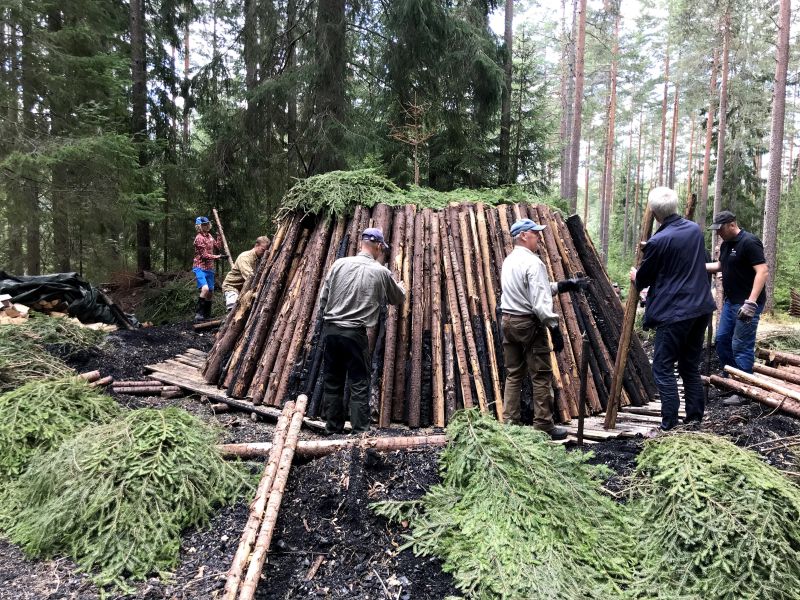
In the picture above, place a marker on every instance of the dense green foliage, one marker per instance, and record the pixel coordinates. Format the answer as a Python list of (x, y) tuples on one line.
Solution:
[(518, 517), (176, 301), (43, 413), (716, 522), (116, 496)]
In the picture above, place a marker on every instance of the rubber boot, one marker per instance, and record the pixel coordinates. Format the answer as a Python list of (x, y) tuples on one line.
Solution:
[(207, 309), (199, 314)]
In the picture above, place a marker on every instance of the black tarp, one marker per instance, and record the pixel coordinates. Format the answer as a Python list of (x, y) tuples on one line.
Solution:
[(84, 301)]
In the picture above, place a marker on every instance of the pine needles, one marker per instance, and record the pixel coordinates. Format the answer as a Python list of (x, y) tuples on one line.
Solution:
[(117, 496), (43, 413), (717, 522), (517, 517)]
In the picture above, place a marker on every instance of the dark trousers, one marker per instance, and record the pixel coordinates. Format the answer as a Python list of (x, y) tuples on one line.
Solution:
[(680, 342), (346, 356)]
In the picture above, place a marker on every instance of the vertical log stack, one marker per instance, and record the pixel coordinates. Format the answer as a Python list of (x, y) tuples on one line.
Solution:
[(441, 349)]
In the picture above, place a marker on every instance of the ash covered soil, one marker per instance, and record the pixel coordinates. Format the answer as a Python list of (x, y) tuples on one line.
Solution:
[(327, 542)]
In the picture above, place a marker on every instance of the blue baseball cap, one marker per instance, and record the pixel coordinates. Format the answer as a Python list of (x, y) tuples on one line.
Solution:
[(525, 225), (374, 234), (201, 221)]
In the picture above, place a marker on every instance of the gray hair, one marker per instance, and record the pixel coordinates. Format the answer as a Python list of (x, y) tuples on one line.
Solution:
[(663, 203), (263, 240)]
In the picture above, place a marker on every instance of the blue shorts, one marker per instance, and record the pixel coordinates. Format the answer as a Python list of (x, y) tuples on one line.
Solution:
[(204, 278)]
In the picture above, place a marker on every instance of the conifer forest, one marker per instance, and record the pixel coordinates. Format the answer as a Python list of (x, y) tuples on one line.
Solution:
[(399, 299)]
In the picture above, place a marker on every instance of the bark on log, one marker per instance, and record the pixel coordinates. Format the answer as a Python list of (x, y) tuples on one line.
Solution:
[(783, 374), (449, 373), (779, 358), (436, 324), (417, 318), (251, 529), (786, 404), (627, 328), (317, 448), (264, 538), (90, 376), (392, 319), (401, 355), (102, 382), (763, 383), (207, 324)]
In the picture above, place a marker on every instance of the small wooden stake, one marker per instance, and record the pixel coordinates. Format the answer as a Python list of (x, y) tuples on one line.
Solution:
[(222, 235)]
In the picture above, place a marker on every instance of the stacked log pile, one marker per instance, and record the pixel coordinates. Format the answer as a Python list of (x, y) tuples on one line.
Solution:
[(442, 348), (774, 383)]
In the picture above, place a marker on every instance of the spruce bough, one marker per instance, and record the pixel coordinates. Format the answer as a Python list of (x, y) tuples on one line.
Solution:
[(116, 497)]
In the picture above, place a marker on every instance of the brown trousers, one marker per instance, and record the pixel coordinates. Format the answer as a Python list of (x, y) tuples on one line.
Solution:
[(526, 346)]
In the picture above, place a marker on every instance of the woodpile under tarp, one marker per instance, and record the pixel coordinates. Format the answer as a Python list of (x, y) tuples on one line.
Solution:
[(442, 349)]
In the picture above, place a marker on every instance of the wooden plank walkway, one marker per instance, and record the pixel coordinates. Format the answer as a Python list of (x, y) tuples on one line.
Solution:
[(184, 370)]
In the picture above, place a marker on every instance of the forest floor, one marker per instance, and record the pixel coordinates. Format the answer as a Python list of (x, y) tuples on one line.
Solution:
[(325, 515)]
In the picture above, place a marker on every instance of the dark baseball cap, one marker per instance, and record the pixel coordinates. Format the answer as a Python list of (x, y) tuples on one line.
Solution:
[(721, 218), (374, 234)]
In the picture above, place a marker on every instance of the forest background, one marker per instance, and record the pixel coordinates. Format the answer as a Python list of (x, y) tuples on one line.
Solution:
[(122, 121)]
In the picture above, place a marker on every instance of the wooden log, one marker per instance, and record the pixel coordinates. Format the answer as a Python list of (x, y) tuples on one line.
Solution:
[(782, 374), (783, 403), (436, 324), (505, 229), (497, 248), (426, 389), (102, 382), (627, 328), (414, 397), (90, 376), (213, 323), (136, 382), (401, 354), (779, 358), (317, 448), (264, 538), (145, 391), (259, 503), (762, 382), (222, 235), (455, 315), (248, 351), (449, 373), (279, 385), (392, 319)]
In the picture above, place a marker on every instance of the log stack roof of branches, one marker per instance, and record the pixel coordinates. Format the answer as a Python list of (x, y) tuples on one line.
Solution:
[(441, 350)]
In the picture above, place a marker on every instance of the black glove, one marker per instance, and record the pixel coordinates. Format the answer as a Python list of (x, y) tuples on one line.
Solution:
[(576, 284), (747, 311), (558, 339)]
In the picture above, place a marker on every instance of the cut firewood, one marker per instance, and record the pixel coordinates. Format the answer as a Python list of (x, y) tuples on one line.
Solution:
[(90, 376), (768, 399)]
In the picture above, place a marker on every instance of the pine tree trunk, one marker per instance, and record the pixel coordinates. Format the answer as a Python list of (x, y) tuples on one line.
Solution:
[(626, 221), (139, 118), (723, 117), (292, 151), (712, 92), (663, 121), (673, 140), (635, 219), (772, 203), (567, 51), (186, 109), (16, 211), (689, 167), (58, 191), (329, 87), (504, 175), (577, 113), (586, 182), (608, 171)]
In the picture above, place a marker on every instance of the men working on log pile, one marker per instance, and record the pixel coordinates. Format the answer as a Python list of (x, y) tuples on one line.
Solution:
[(350, 301), (242, 271), (205, 246), (744, 275), (527, 305), (679, 305)]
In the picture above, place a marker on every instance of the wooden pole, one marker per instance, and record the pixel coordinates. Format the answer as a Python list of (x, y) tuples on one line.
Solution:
[(787, 376), (317, 448), (786, 404), (584, 369), (414, 397), (762, 383), (778, 357), (627, 328), (222, 235), (436, 323), (262, 543), (259, 503)]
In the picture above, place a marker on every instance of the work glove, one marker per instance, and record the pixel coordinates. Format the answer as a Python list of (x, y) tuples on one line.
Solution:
[(576, 284), (558, 339), (747, 311)]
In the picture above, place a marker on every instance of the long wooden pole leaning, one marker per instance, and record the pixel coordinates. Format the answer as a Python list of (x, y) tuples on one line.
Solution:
[(259, 503), (261, 548), (222, 235), (627, 328)]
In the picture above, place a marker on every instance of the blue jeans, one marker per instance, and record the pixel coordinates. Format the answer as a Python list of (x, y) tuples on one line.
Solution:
[(680, 342), (736, 340)]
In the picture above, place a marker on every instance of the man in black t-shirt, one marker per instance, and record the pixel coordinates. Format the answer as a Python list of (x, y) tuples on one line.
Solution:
[(744, 275)]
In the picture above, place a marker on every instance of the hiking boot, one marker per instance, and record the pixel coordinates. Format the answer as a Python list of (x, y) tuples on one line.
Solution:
[(207, 306), (734, 400), (199, 314), (558, 433)]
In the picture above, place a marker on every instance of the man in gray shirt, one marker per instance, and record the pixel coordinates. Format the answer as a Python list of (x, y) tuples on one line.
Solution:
[(527, 305), (350, 301)]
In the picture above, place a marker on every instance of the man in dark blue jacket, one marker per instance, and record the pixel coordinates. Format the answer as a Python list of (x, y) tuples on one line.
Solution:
[(679, 305)]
